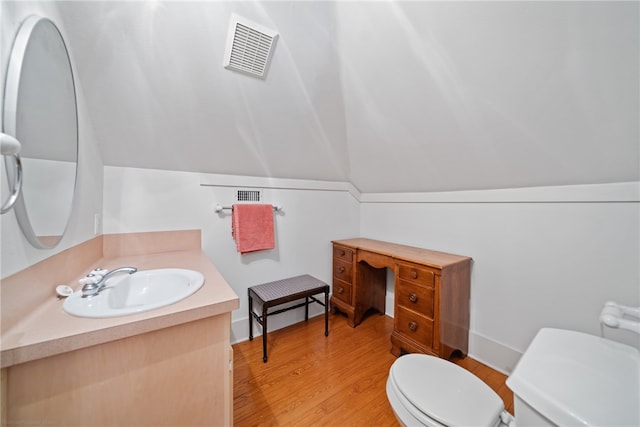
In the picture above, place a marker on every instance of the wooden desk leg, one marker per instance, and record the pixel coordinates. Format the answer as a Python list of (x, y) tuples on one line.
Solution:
[(264, 332), (250, 317)]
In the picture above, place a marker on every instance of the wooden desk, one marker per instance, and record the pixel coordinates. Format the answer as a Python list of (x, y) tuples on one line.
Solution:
[(431, 305)]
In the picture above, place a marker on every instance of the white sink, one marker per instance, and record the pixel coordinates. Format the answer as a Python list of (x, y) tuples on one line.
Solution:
[(137, 292)]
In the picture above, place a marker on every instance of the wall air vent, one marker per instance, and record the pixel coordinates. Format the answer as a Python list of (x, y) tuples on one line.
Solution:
[(249, 47), (249, 196)]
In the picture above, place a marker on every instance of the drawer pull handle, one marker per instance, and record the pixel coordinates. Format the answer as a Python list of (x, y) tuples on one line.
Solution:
[(413, 297), (414, 274), (413, 326), (340, 290), (340, 269), (342, 253)]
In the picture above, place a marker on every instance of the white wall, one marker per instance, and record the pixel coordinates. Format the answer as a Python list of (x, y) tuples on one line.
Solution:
[(543, 257), (489, 94), (15, 251), (49, 184), (313, 214)]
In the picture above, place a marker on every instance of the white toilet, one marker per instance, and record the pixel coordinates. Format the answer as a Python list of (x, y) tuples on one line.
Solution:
[(564, 378), (428, 391)]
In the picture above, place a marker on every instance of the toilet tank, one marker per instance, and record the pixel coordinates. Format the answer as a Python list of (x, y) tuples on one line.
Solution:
[(572, 378)]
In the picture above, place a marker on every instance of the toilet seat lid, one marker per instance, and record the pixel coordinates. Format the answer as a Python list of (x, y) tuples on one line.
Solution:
[(445, 392)]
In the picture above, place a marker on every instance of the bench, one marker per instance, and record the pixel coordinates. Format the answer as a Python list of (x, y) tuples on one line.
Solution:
[(282, 291)]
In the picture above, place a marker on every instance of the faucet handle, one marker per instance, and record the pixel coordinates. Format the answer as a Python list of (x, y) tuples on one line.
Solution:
[(90, 284), (90, 279), (90, 289), (98, 271)]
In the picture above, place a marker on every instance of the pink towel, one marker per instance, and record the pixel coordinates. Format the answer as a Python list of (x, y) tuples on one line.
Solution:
[(252, 227)]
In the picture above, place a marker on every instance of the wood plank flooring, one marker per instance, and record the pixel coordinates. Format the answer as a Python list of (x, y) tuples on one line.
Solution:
[(313, 380)]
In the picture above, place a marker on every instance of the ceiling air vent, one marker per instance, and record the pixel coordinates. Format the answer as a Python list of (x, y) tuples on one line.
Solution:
[(249, 47)]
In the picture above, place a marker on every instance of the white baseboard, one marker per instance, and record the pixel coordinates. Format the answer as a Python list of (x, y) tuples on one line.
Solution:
[(240, 327), (492, 353), (240, 331)]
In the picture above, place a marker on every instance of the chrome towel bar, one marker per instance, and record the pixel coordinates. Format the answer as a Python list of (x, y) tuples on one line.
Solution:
[(220, 208)]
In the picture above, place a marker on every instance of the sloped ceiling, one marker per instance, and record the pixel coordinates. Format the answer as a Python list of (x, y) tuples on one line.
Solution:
[(391, 96)]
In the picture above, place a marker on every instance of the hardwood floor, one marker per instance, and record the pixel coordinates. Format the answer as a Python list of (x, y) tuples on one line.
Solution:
[(313, 380)]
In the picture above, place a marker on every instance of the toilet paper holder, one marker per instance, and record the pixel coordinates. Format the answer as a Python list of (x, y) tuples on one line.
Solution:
[(616, 315)]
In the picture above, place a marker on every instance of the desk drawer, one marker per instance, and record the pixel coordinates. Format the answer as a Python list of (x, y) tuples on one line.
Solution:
[(375, 260), (342, 291), (415, 327), (416, 274), (416, 297), (345, 254), (342, 270)]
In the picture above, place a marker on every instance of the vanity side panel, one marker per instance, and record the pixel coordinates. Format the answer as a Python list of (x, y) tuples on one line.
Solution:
[(454, 302), (3, 397), (173, 376)]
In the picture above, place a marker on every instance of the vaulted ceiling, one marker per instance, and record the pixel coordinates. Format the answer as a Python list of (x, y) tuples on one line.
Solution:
[(390, 96)]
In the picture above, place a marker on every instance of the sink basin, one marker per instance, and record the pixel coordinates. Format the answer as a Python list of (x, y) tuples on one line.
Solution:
[(137, 292)]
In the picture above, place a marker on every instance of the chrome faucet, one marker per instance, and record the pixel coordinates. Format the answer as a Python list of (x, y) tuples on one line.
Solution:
[(95, 282)]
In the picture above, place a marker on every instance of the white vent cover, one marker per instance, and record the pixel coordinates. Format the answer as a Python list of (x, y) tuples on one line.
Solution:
[(249, 196), (249, 47)]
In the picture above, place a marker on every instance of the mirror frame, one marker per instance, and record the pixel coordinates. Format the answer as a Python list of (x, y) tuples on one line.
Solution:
[(10, 116)]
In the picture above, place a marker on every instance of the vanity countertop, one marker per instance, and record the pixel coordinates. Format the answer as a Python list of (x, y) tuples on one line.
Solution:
[(49, 330)]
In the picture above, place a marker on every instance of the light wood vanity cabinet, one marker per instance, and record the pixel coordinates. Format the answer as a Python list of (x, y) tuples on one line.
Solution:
[(431, 293), (165, 367)]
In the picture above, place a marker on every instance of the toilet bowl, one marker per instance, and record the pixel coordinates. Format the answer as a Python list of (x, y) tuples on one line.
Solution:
[(563, 378), (428, 391)]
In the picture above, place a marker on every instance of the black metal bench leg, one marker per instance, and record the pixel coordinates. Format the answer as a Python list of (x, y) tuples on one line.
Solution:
[(250, 317), (264, 332), (326, 313), (306, 309)]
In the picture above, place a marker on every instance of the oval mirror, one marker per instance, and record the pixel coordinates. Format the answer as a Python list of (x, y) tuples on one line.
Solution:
[(40, 111)]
